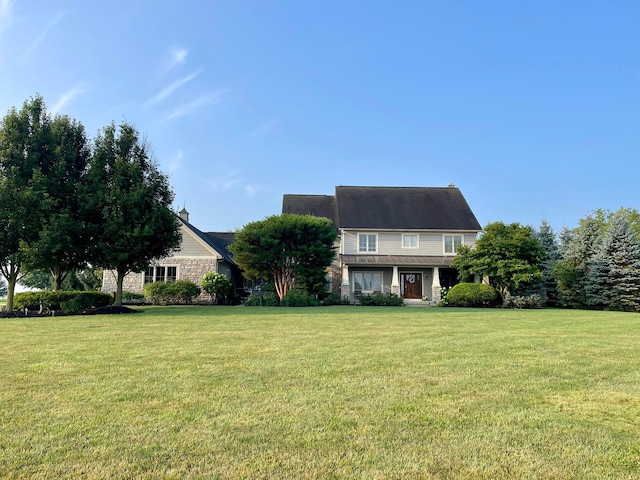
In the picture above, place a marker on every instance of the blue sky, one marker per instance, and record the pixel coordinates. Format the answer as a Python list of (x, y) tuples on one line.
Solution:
[(531, 108)]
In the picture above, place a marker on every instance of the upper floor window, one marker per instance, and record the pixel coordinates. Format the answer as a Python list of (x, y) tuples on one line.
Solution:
[(160, 273), (409, 240), (451, 243), (367, 242)]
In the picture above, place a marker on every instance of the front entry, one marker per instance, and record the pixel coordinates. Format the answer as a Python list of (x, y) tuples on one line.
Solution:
[(411, 285)]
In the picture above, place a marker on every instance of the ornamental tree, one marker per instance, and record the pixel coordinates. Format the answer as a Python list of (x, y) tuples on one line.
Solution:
[(509, 255), (288, 249), (217, 285), (127, 205)]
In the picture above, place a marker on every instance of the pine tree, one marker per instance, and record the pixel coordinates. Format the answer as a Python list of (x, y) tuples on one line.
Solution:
[(549, 286), (613, 281)]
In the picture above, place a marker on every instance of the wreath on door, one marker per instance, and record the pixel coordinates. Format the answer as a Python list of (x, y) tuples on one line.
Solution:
[(411, 278)]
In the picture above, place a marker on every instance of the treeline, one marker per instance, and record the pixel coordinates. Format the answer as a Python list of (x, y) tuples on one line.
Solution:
[(593, 266), (68, 202)]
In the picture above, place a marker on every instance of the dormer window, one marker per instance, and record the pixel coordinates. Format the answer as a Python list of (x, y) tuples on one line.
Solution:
[(367, 243)]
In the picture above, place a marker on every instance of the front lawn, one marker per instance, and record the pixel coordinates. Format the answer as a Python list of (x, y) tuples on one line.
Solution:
[(334, 392)]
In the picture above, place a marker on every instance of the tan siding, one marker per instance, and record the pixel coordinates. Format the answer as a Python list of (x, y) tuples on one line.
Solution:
[(470, 239), (390, 243), (192, 247), (350, 243)]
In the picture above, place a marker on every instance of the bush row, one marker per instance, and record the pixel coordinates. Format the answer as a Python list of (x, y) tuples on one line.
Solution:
[(381, 300), (471, 295), (69, 302), (164, 293), (294, 298)]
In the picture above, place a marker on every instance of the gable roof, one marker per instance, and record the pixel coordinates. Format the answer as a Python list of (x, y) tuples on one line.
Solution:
[(389, 208), (219, 241), (316, 205)]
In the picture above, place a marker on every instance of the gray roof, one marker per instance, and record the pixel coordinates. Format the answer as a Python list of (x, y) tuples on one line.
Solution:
[(389, 208)]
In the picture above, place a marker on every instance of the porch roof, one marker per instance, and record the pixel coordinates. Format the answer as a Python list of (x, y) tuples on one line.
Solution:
[(414, 260)]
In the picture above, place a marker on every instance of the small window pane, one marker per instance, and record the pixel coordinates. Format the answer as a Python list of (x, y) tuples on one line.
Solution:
[(160, 274), (372, 243), (172, 274), (148, 275)]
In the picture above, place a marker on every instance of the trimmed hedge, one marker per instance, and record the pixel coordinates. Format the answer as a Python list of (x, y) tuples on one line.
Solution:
[(70, 302), (471, 295), (381, 300), (180, 291)]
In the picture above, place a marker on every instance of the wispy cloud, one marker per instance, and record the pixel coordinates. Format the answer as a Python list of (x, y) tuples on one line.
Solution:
[(66, 98), (5, 14), (263, 129), (251, 189), (224, 181), (52, 23), (178, 56), (173, 87), (197, 104), (175, 163)]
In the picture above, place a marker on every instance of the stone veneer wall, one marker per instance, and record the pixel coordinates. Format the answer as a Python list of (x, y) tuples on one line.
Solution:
[(188, 269)]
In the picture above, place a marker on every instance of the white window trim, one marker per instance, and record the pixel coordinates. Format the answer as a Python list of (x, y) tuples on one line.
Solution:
[(367, 292), (144, 272), (444, 248), (417, 240), (368, 252)]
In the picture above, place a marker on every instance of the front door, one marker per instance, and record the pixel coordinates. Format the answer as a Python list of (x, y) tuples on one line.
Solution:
[(411, 285)]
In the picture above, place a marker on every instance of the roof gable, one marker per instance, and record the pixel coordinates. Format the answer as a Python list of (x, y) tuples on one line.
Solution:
[(217, 242)]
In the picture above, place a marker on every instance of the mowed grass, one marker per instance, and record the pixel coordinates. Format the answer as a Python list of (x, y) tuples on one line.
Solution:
[(338, 392)]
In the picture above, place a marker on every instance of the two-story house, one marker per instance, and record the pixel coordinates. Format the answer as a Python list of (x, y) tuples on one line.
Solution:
[(393, 239)]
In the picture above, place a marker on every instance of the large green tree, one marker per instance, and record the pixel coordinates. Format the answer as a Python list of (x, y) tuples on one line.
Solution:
[(548, 283), (288, 249), (509, 255), (613, 281), (24, 144), (62, 245), (128, 205)]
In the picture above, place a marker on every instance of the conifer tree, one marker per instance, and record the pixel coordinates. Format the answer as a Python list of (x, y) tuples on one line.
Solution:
[(549, 286), (613, 281)]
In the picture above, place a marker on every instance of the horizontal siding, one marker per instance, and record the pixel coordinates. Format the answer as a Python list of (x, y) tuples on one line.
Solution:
[(191, 247), (390, 243)]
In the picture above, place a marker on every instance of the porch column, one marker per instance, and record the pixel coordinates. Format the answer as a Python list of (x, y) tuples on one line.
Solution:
[(435, 285), (395, 282), (344, 287)]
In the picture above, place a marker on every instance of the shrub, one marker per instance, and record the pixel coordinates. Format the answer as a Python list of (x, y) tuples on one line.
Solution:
[(218, 286), (299, 298), (335, 299), (471, 295), (55, 299), (381, 300), (266, 300), (77, 304), (180, 291), (523, 301), (131, 297)]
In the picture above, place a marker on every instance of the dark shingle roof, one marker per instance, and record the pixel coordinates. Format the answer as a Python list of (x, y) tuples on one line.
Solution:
[(389, 208), (317, 205)]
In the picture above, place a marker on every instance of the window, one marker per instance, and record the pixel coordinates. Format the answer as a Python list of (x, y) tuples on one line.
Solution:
[(410, 240), (367, 242), (367, 282), (451, 243), (160, 273)]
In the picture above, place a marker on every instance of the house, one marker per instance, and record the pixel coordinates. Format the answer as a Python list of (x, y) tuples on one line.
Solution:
[(199, 253), (398, 240)]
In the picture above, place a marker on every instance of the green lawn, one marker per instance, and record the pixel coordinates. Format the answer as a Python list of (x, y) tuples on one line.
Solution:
[(337, 392)]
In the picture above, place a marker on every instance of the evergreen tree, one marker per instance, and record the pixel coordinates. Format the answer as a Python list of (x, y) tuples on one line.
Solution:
[(613, 281), (578, 248), (548, 284)]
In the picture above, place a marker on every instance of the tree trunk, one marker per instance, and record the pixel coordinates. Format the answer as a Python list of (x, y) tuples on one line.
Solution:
[(117, 302), (58, 277), (11, 272)]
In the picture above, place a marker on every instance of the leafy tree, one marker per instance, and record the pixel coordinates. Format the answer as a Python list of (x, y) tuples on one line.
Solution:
[(88, 278), (613, 280), (217, 285), (127, 205), (289, 249), (62, 246), (509, 255), (24, 142)]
